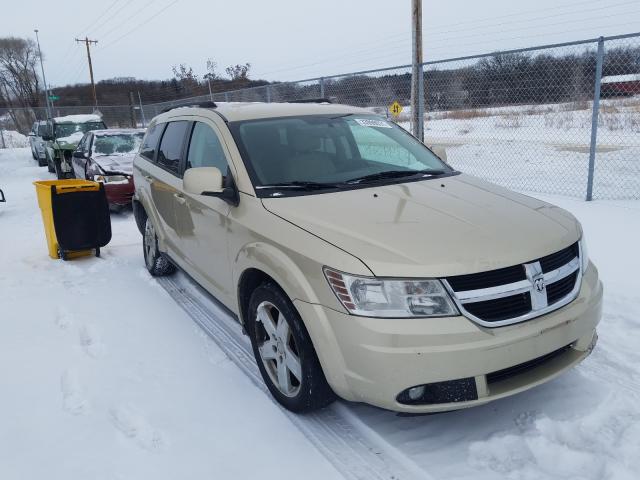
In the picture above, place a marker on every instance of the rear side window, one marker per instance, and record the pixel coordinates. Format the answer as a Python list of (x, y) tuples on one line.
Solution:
[(205, 149), (150, 142), (42, 129), (171, 146)]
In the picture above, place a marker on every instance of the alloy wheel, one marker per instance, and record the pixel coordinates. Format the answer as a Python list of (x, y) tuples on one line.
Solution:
[(278, 349), (150, 244)]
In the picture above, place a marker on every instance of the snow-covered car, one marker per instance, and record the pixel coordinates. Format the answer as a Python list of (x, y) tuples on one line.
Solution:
[(36, 142), (359, 263), (62, 137), (107, 156)]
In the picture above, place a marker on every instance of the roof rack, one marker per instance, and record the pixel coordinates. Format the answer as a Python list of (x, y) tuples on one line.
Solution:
[(208, 104), (310, 100)]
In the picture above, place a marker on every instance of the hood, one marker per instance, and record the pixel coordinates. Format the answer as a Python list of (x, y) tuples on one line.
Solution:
[(122, 163), (433, 228)]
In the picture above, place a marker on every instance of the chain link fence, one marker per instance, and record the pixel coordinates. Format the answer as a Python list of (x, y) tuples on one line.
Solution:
[(559, 119)]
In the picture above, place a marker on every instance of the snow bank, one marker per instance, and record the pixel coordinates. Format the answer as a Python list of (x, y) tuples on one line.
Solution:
[(13, 139)]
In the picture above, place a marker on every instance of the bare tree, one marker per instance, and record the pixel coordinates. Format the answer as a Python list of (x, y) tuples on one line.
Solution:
[(239, 74), (19, 82), (211, 74)]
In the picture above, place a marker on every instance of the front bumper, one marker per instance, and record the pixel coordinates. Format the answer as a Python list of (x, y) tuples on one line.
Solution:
[(119, 194), (372, 360)]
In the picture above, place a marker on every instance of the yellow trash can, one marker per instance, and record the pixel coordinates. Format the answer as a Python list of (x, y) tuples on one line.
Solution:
[(43, 191)]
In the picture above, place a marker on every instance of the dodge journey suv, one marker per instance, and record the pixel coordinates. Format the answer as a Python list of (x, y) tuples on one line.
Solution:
[(358, 262)]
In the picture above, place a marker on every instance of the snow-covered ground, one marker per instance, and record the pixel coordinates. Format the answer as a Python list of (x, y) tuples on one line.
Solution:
[(104, 376), (544, 148), (13, 139)]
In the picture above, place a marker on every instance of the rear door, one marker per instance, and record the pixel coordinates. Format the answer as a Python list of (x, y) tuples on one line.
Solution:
[(202, 221), (161, 179)]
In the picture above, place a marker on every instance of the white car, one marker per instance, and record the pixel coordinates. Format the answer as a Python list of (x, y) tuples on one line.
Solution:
[(38, 150)]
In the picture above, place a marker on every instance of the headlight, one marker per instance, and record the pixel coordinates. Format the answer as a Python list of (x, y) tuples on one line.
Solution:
[(584, 253), (111, 178), (390, 298)]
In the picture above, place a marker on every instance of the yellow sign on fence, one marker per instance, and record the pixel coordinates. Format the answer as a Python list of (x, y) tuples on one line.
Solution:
[(395, 109)]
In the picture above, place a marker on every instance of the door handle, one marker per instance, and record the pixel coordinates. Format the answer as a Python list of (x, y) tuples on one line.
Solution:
[(148, 178), (179, 198)]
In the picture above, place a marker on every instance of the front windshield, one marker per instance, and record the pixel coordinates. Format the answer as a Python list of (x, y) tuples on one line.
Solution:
[(68, 129), (117, 144), (331, 150)]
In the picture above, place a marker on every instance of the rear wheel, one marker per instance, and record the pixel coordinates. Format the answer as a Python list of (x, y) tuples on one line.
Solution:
[(50, 166), (155, 262), (284, 352)]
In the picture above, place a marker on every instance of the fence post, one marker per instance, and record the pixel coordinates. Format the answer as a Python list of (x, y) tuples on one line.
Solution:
[(594, 119), (144, 119), (226, 96), (321, 82), (4, 145), (132, 110), (421, 104), (268, 94)]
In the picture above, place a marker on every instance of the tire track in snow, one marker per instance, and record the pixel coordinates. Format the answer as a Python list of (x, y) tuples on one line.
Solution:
[(354, 450)]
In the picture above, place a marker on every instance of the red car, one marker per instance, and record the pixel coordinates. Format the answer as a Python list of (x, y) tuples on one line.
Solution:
[(107, 156)]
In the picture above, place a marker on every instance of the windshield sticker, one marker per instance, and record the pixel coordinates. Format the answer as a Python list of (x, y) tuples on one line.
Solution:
[(368, 122)]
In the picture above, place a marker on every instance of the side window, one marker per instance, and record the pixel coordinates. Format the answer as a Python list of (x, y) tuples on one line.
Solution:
[(150, 142), (171, 146), (42, 129), (205, 149)]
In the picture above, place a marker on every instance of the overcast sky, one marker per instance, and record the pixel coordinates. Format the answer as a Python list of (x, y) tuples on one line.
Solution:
[(293, 39)]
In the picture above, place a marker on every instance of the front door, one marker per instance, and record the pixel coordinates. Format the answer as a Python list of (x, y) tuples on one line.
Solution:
[(203, 221)]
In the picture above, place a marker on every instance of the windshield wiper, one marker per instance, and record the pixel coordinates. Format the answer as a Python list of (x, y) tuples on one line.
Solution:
[(298, 185), (395, 174)]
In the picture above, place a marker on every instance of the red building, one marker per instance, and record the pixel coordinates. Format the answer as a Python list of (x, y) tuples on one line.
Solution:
[(621, 85)]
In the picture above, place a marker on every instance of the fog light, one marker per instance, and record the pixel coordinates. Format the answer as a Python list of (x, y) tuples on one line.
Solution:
[(416, 393)]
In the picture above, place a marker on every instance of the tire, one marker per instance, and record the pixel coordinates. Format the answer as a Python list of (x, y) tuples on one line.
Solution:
[(156, 263), (50, 166), (284, 352), (33, 154), (42, 162), (57, 165)]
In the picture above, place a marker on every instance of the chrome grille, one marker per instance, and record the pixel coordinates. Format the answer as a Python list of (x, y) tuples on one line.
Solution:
[(520, 292)]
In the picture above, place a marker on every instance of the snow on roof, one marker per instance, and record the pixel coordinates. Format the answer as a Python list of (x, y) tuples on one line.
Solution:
[(78, 119), (632, 77), (118, 131)]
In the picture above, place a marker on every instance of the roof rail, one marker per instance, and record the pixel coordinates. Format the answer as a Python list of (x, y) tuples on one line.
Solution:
[(208, 104), (310, 100)]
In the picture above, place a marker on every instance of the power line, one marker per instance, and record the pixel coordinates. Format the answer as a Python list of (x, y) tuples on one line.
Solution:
[(128, 20), (140, 24), (111, 5)]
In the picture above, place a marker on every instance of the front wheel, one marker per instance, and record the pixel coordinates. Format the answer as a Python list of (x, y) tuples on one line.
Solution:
[(155, 262), (284, 352)]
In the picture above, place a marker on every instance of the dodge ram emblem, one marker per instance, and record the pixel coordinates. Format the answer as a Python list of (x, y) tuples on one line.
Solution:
[(538, 284)]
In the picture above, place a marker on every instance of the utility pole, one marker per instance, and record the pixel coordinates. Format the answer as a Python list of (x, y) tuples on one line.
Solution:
[(86, 41), (44, 80), (417, 77)]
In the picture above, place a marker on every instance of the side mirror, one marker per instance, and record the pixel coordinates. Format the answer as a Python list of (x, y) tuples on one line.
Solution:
[(199, 180), (208, 181), (31, 134), (47, 138), (79, 154)]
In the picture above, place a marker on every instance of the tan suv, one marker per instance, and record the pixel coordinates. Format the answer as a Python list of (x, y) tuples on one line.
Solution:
[(359, 263)]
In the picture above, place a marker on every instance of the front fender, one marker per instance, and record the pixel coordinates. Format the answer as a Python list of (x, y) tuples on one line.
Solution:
[(279, 266)]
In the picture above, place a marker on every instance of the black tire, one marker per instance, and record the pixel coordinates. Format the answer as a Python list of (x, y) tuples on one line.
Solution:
[(50, 166), (312, 390), (33, 154), (57, 165), (42, 162), (156, 263)]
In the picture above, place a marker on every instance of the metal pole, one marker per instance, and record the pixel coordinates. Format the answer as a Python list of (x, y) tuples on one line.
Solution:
[(594, 119), (44, 79), (93, 85), (144, 119), (321, 81), (268, 94), (4, 145), (210, 93), (226, 96), (132, 111), (416, 72)]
